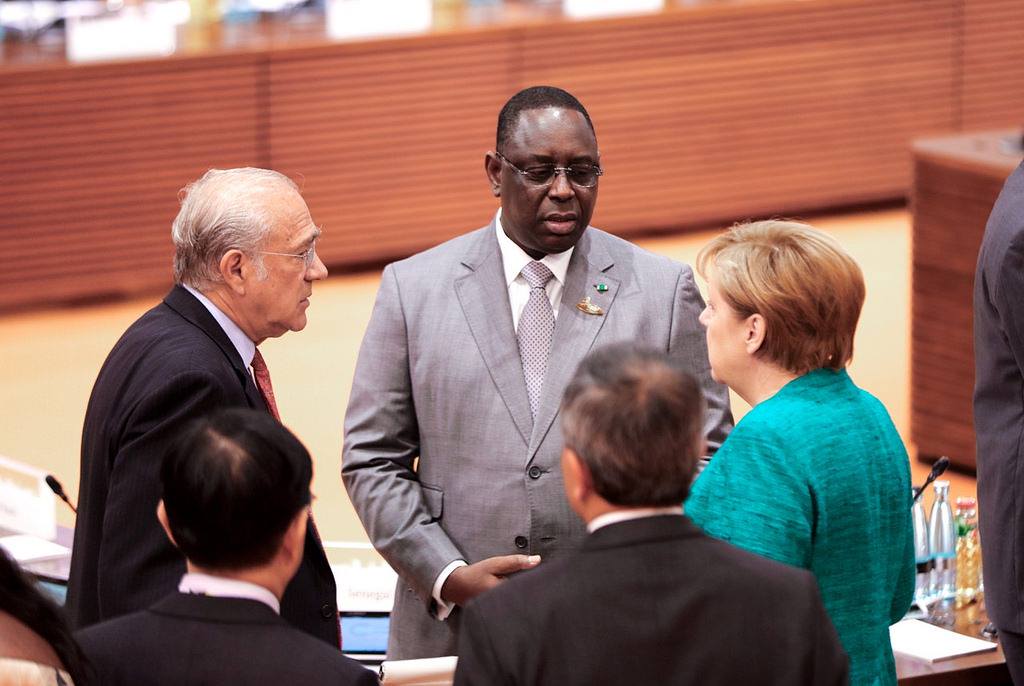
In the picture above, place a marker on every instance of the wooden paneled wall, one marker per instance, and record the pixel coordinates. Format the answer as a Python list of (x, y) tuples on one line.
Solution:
[(957, 180), (390, 139), (704, 114), (91, 161), (992, 95), (746, 110)]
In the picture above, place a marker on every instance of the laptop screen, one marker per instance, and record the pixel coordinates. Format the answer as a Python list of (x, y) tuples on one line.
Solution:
[(364, 633)]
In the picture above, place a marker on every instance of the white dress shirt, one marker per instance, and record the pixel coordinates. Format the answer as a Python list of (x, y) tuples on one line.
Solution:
[(245, 347), (219, 587), (616, 516), (513, 259)]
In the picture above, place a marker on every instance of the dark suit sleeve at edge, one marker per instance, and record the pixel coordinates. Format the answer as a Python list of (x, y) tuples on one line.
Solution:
[(1005, 291), (137, 563)]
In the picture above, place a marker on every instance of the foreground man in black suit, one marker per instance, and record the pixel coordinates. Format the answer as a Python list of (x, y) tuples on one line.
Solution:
[(236, 503), (649, 599), (244, 264)]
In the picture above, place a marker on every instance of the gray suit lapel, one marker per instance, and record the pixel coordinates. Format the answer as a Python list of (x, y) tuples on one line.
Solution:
[(575, 330), (483, 296)]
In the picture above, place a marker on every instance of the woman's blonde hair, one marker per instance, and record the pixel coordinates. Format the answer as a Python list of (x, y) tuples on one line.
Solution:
[(807, 288)]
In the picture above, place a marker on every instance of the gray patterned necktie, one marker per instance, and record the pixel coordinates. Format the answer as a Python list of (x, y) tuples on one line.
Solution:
[(536, 326)]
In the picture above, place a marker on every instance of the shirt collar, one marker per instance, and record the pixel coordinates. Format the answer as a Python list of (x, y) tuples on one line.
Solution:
[(616, 516), (245, 347), (221, 587), (514, 258)]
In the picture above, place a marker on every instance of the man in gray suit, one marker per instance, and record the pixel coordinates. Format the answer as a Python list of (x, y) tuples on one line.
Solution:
[(464, 362), (999, 415)]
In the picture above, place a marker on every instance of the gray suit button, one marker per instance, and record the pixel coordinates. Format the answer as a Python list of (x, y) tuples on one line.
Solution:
[(534, 472), (521, 542), (326, 611)]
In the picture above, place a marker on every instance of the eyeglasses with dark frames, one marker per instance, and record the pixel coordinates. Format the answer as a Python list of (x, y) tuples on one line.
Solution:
[(580, 175)]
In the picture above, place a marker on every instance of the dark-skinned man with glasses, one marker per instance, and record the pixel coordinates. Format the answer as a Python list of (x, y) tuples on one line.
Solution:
[(452, 447)]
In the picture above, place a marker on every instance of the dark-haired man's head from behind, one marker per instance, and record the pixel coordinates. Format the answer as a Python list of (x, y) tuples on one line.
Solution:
[(235, 496), (633, 420)]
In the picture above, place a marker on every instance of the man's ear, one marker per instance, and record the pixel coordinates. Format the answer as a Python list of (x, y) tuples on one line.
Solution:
[(294, 541), (161, 514), (492, 167), (234, 266), (756, 329), (579, 484)]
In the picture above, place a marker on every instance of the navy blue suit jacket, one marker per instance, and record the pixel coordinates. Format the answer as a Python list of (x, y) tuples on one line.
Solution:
[(172, 365), (194, 639), (652, 601)]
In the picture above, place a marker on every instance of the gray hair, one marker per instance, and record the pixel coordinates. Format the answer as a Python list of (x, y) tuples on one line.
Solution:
[(635, 418), (223, 210)]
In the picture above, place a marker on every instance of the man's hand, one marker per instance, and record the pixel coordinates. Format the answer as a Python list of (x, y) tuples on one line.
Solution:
[(467, 582)]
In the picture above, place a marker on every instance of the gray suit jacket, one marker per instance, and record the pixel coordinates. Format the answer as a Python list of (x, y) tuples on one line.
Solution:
[(439, 378), (999, 403)]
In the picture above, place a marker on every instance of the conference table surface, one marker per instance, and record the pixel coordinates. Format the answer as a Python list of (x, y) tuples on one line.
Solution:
[(982, 669)]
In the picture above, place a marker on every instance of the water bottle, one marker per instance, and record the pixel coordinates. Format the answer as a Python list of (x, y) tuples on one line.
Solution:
[(942, 540), (968, 552), (922, 554)]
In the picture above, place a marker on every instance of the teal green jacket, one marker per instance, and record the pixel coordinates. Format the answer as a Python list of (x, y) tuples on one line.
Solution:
[(817, 477)]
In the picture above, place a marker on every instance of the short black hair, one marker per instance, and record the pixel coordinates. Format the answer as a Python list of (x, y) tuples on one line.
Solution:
[(635, 417), (535, 98), (232, 483)]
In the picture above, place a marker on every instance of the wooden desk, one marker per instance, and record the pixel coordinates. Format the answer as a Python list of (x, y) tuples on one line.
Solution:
[(706, 112), (985, 669), (956, 182)]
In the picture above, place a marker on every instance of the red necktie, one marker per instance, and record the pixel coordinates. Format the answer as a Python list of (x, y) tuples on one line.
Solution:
[(262, 376)]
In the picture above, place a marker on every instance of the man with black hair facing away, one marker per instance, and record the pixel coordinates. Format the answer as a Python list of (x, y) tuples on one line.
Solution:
[(649, 598), (235, 501)]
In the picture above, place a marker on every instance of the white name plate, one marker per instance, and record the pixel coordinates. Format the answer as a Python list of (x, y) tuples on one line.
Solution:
[(27, 505), (362, 18), (589, 9), (127, 35), (365, 587)]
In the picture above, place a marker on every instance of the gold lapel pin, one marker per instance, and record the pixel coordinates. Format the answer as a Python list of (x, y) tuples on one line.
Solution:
[(588, 307)]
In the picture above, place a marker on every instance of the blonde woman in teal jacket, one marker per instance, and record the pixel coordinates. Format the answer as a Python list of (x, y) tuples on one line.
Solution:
[(815, 474)]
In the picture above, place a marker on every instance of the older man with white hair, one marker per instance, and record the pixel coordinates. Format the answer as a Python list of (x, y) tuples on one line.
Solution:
[(244, 266)]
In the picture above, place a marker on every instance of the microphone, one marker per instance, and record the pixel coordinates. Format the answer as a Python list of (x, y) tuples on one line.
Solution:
[(937, 469), (58, 491)]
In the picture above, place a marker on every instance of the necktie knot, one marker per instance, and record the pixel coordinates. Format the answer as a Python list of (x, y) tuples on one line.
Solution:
[(536, 274)]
